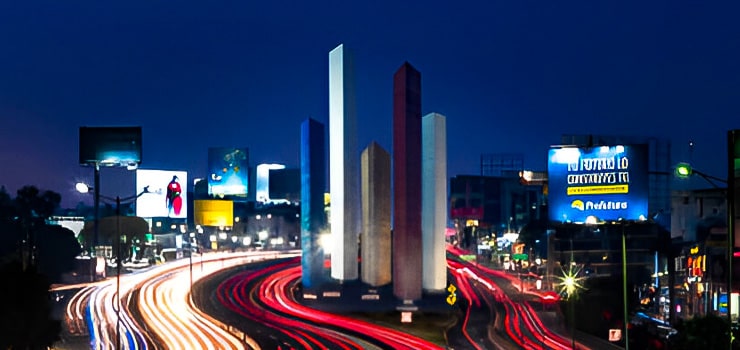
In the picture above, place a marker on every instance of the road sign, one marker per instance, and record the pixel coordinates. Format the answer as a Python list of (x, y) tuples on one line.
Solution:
[(520, 257), (452, 298), (615, 334)]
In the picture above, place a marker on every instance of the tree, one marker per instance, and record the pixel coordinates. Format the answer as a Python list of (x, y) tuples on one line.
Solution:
[(708, 332), (25, 303), (57, 249), (130, 226), (25, 306)]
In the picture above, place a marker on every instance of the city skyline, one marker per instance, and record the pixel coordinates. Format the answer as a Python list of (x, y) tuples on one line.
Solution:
[(511, 78)]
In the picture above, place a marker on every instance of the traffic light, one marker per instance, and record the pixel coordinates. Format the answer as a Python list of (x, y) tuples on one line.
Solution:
[(683, 170)]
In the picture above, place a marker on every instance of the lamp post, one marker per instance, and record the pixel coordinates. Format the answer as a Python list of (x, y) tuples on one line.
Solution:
[(83, 188), (685, 170), (624, 289)]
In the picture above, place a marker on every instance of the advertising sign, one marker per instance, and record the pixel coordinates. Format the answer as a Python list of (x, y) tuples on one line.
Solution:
[(167, 195), (605, 182), (110, 146), (213, 212), (228, 171)]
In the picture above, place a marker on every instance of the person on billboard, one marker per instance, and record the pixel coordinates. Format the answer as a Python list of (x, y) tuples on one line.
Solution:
[(174, 197)]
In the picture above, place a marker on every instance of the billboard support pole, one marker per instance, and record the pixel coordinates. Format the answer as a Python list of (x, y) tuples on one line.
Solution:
[(96, 208), (96, 218), (731, 185)]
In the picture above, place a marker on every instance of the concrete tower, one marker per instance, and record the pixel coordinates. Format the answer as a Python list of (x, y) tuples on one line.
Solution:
[(433, 201), (343, 179), (375, 169), (313, 184), (407, 183)]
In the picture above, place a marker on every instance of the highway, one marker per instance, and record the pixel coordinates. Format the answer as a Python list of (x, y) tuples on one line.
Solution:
[(259, 291), (156, 308)]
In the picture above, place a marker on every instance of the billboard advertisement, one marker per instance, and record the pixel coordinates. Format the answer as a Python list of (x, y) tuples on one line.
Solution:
[(167, 193), (110, 146), (228, 171), (213, 212), (605, 182)]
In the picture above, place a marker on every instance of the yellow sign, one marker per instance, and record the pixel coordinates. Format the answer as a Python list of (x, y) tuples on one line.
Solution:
[(213, 212), (452, 298), (608, 189), (694, 250)]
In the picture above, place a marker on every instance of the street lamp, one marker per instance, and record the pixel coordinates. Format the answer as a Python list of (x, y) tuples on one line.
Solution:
[(84, 188), (685, 170)]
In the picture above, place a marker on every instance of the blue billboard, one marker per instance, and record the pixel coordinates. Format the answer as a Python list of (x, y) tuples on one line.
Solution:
[(607, 183), (228, 171)]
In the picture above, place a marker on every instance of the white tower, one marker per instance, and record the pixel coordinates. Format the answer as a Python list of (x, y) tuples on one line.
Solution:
[(433, 201), (343, 172)]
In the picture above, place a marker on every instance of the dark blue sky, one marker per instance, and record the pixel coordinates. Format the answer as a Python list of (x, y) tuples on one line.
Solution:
[(510, 76)]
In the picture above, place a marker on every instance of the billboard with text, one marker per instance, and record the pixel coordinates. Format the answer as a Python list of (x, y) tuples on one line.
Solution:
[(608, 183), (228, 171), (167, 193)]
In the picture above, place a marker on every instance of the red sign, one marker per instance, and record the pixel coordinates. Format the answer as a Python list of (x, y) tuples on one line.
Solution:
[(475, 213)]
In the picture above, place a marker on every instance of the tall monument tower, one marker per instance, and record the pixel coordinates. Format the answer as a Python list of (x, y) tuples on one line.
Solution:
[(375, 167), (407, 242), (433, 201), (313, 218), (343, 179)]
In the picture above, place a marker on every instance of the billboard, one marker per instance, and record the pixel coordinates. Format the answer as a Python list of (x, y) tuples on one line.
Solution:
[(167, 195), (228, 171), (262, 183), (110, 146), (606, 182), (285, 184), (213, 212)]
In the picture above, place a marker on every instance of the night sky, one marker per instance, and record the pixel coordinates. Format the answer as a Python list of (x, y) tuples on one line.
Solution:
[(510, 76)]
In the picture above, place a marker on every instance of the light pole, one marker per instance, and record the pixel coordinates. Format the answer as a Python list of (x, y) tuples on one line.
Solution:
[(685, 170), (83, 188), (569, 283), (624, 289)]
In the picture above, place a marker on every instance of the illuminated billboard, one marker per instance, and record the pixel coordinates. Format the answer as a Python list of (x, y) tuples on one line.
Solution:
[(110, 146), (167, 195), (213, 212), (228, 171), (607, 183)]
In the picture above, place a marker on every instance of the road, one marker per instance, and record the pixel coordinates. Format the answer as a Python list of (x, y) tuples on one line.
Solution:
[(158, 312), (156, 309)]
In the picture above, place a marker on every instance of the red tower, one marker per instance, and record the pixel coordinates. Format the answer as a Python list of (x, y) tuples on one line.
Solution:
[(407, 243)]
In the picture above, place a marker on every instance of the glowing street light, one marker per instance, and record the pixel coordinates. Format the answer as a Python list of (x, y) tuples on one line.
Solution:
[(683, 170), (570, 284)]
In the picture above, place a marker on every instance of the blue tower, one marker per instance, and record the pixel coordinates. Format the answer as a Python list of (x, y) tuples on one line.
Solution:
[(313, 184)]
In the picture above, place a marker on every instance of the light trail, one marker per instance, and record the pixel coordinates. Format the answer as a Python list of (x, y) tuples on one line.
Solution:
[(163, 308), (273, 298)]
